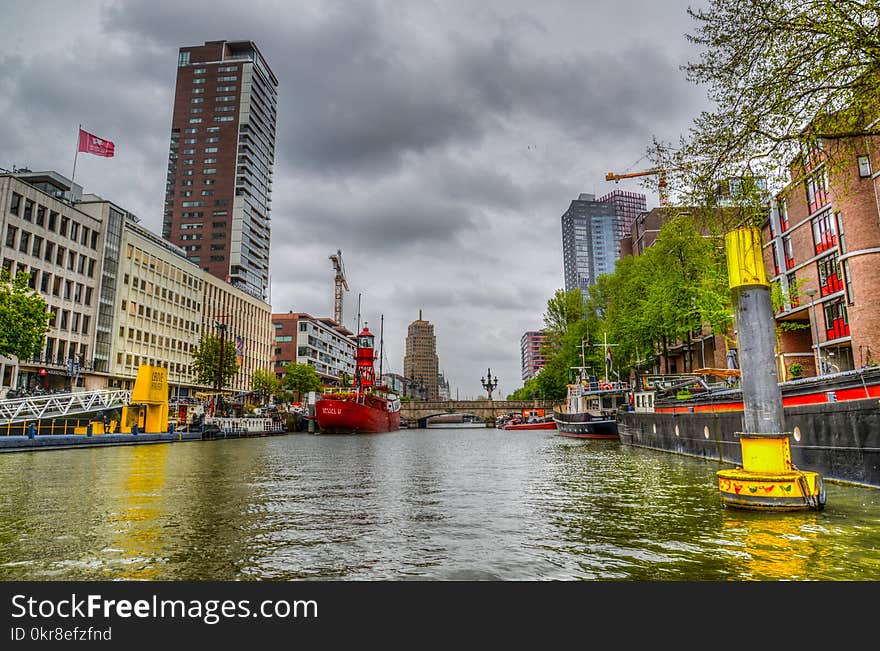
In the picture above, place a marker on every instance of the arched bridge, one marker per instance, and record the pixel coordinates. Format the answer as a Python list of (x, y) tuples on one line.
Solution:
[(488, 410)]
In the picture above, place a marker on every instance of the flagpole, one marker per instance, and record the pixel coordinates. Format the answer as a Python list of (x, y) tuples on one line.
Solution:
[(73, 176)]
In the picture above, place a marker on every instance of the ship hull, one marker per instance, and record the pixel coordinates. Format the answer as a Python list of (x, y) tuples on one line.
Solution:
[(586, 426), (833, 423), (544, 425), (353, 416)]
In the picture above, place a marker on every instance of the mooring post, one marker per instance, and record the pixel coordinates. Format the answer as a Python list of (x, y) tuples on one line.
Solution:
[(767, 479)]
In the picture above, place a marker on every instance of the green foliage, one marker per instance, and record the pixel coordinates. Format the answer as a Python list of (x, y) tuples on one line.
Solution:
[(209, 358), (563, 309), (265, 383), (781, 74), (796, 370), (24, 320), (300, 378)]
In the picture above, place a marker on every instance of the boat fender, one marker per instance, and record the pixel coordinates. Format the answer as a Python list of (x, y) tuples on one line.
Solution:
[(605, 387)]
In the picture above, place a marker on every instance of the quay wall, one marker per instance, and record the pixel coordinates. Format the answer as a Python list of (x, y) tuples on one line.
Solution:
[(840, 441)]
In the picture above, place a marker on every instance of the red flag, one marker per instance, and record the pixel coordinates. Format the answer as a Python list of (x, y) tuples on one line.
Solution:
[(92, 144)]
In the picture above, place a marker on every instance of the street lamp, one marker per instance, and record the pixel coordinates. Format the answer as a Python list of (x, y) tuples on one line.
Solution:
[(811, 293), (489, 383), (219, 382)]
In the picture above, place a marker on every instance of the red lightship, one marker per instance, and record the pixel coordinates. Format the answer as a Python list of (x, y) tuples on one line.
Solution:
[(367, 408)]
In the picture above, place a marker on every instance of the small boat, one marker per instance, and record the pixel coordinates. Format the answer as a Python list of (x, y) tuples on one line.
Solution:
[(365, 409), (532, 418), (536, 424)]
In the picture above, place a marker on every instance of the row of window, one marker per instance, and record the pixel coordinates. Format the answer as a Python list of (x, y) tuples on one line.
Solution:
[(154, 314), (33, 245), (69, 320), (152, 339), (162, 268), (65, 226)]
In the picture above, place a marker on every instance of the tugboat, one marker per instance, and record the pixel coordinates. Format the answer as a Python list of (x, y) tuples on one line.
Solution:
[(367, 408), (591, 409), (591, 405)]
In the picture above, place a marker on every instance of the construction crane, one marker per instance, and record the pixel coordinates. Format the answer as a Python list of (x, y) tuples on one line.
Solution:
[(661, 182), (340, 284)]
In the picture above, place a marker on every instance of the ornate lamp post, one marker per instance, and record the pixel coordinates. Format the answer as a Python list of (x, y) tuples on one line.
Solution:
[(489, 383)]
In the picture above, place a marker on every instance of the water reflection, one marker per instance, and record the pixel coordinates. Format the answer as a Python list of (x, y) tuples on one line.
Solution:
[(418, 504)]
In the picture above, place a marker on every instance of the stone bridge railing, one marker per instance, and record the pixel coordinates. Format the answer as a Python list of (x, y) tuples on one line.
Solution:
[(486, 409)]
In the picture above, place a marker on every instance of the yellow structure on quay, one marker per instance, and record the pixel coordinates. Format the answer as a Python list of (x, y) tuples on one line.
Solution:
[(767, 479)]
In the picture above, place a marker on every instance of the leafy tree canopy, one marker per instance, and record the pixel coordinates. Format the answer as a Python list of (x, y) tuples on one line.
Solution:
[(782, 74), (265, 383), (209, 356), (301, 378), (24, 319)]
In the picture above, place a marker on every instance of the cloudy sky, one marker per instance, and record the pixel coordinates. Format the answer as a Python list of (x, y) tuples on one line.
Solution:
[(435, 142)]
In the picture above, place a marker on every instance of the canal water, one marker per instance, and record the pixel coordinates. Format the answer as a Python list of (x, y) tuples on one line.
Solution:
[(430, 504)]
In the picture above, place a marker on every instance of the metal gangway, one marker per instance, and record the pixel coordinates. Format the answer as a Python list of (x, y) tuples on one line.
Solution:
[(58, 405)]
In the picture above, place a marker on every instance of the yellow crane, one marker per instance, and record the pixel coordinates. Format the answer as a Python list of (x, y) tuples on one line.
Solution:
[(340, 283), (661, 182)]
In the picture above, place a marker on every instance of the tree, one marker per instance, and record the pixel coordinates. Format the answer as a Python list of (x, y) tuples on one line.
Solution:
[(300, 378), (24, 319), (207, 361), (782, 74), (265, 384), (563, 309)]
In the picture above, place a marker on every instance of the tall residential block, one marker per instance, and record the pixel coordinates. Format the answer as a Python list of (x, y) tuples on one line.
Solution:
[(420, 363), (626, 207), (532, 354), (320, 342), (589, 241), (219, 185)]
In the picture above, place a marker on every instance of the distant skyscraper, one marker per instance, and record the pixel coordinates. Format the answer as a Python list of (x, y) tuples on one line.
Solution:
[(532, 353), (420, 364), (625, 206), (219, 186), (589, 244)]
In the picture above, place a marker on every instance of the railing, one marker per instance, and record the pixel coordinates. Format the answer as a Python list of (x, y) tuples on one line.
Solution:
[(56, 405)]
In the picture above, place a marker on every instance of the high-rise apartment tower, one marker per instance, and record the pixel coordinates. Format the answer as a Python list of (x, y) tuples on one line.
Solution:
[(589, 243), (218, 192)]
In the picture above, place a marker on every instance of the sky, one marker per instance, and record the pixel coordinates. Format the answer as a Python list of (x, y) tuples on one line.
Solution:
[(435, 143)]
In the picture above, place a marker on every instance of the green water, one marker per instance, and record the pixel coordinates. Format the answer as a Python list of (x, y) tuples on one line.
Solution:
[(448, 504)]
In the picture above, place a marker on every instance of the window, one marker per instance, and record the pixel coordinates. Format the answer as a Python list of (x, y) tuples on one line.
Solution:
[(224, 108), (65, 221), (226, 89), (207, 193), (199, 71), (24, 241), (198, 90), (225, 98), (189, 152), (228, 78), (209, 170), (74, 231), (53, 219), (15, 203), (210, 150), (199, 81), (182, 59), (38, 246), (189, 161), (829, 275), (10, 235), (195, 120), (817, 191), (788, 251), (836, 320), (212, 139), (50, 250), (28, 210), (197, 100), (783, 216), (223, 118), (209, 161), (227, 69), (196, 110), (824, 232), (191, 130), (208, 181)]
